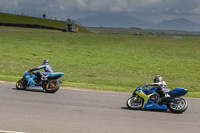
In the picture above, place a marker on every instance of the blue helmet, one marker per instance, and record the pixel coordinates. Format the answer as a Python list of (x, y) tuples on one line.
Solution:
[(45, 62)]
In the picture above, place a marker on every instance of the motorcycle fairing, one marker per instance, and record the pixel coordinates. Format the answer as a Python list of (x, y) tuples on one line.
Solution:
[(148, 103), (30, 79), (151, 105), (178, 92), (143, 95), (56, 74)]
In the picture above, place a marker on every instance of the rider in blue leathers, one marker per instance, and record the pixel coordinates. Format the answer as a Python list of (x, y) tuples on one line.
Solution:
[(46, 67)]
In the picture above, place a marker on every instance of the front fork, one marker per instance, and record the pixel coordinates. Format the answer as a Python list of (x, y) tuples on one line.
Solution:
[(136, 96)]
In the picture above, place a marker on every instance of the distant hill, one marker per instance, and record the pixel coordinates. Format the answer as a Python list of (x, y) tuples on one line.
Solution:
[(179, 24), (125, 21), (113, 20)]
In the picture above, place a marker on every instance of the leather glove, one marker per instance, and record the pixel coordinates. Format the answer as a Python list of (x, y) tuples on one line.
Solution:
[(30, 70), (145, 85)]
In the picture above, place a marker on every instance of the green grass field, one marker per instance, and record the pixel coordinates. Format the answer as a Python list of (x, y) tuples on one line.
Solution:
[(103, 61), (20, 19)]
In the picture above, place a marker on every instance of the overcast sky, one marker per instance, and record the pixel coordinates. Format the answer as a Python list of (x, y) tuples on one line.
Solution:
[(148, 10)]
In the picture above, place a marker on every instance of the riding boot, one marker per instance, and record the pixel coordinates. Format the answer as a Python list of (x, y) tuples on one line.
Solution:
[(166, 95), (43, 77)]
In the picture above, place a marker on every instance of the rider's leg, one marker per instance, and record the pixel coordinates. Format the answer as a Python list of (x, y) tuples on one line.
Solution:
[(44, 76), (165, 95)]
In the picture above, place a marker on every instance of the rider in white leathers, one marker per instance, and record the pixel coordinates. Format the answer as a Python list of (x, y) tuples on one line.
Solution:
[(162, 87)]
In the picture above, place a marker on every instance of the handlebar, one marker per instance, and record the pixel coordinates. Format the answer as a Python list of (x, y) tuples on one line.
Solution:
[(143, 86), (33, 72)]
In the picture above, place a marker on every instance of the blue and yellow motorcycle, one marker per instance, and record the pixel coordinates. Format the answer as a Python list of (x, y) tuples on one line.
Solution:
[(149, 98), (50, 84)]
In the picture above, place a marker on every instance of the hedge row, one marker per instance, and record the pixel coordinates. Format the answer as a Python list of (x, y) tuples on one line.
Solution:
[(29, 26)]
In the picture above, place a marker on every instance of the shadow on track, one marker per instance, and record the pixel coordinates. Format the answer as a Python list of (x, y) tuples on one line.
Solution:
[(32, 89), (149, 110)]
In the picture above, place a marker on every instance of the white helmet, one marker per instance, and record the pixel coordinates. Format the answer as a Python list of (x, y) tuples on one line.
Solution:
[(157, 79)]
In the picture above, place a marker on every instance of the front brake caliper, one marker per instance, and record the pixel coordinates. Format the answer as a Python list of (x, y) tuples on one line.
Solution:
[(135, 98)]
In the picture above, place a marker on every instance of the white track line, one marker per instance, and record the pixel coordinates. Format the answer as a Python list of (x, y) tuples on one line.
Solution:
[(10, 131)]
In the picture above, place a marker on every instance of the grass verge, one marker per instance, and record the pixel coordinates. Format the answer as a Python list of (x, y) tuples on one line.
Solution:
[(101, 61)]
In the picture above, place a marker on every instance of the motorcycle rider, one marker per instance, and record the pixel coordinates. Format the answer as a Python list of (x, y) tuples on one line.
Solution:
[(162, 88), (47, 69)]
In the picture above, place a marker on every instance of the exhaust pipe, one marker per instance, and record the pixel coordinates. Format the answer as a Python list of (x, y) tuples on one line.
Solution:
[(60, 81)]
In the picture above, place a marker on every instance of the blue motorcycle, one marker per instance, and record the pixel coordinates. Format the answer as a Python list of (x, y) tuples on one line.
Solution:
[(50, 84), (149, 98)]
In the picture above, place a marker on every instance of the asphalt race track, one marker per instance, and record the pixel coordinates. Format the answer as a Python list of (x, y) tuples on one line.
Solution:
[(79, 111)]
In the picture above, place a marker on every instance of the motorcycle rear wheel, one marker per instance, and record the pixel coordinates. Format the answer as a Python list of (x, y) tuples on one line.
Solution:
[(21, 84), (179, 106), (52, 86), (135, 104)]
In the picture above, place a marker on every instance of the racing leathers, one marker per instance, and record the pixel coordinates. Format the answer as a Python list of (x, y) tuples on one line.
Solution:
[(162, 90), (47, 68), (162, 87)]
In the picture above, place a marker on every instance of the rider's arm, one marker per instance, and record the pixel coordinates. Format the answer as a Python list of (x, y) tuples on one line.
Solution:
[(155, 84), (37, 68)]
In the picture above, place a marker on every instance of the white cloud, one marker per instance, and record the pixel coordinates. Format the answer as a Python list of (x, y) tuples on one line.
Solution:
[(119, 5), (179, 11), (196, 10), (81, 3), (166, 9)]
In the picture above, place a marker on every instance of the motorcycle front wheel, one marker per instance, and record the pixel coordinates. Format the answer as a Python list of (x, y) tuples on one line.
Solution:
[(134, 104), (52, 86), (21, 84), (178, 106)]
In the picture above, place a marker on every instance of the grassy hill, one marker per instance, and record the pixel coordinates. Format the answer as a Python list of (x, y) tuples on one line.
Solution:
[(19, 19)]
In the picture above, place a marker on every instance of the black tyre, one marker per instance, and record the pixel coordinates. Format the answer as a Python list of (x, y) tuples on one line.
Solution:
[(178, 106), (21, 84), (134, 104), (52, 87)]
